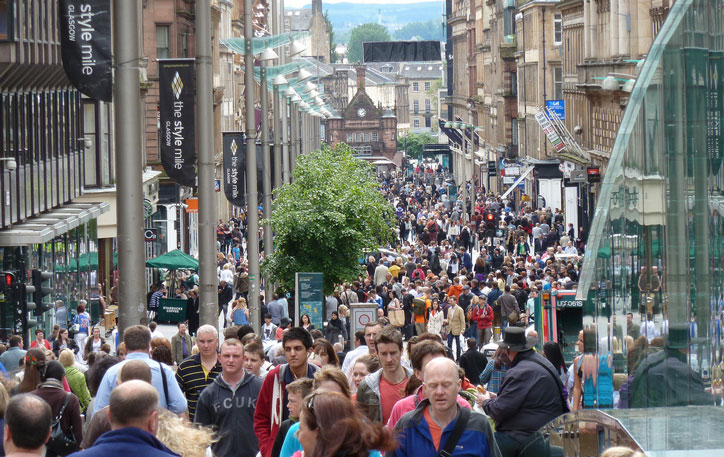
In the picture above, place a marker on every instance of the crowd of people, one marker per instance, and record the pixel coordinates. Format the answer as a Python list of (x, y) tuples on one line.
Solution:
[(416, 381)]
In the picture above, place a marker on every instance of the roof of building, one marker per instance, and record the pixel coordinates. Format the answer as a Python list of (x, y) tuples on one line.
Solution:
[(421, 70), (373, 76), (299, 19)]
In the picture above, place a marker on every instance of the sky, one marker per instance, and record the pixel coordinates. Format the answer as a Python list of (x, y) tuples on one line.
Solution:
[(300, 3)]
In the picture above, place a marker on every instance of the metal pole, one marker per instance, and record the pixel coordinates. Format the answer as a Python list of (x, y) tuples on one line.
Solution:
[(276, 16), (252, 240), (129, 147), (464, 211), (285, 141), (208, 291), (266, 173), (294, 130)]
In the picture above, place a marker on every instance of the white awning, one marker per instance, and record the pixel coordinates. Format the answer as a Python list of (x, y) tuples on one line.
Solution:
[(56, 222), (522, 176)]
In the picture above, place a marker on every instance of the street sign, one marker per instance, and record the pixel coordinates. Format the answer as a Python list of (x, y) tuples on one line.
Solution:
[(549, 131), (172, 310), (491, 167), (217, 185), (578, 176), (558, 107), (150, 235), (594, 174), (435, 148), (512, 170)]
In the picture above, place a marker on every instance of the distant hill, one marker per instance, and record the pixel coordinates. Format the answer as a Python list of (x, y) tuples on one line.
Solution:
[(346, 16)]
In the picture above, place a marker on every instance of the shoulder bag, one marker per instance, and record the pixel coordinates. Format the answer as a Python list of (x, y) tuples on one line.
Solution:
[(59, 442), (456, 433)]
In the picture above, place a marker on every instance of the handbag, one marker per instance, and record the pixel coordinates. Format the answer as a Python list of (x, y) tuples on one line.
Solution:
[(59, 442), (397, 317)]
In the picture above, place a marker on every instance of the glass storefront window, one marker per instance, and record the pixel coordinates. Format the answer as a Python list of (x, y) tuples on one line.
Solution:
[(652, 277)]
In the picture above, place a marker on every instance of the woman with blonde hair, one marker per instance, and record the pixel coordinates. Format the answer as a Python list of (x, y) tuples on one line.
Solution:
[(240, 313), (76, 379), (182, 437)]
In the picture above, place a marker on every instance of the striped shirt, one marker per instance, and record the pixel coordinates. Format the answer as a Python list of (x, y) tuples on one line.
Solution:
[(193, 379)]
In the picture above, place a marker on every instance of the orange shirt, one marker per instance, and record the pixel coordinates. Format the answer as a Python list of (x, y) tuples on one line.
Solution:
[(435, 430), (389, 395)]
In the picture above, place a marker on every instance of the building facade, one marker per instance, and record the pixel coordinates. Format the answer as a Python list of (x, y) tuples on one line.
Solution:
[(48, 162), (368, 129), (422, 80), (317, 44)]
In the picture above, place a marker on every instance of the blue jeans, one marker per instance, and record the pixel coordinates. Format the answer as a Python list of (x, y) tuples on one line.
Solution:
[(456, 339)]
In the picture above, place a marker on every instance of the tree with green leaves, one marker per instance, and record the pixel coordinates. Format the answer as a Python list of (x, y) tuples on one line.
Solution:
[(325, 220), (332, 45), (413, 143), (361, 34)]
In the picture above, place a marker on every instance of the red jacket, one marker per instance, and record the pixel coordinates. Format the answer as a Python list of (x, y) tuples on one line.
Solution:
[(483, 316), (270, 407)]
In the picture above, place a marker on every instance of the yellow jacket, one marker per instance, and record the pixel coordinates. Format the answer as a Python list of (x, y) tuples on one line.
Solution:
[(456, 319)]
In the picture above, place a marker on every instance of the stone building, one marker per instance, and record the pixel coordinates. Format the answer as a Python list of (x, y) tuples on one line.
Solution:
[(421, 79), (313, 21), (370, 130)]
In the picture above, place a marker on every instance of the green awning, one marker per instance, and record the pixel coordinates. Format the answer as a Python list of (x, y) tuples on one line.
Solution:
[(174, 260)]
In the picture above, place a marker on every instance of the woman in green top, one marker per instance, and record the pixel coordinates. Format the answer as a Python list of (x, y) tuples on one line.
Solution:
[(76, 378)]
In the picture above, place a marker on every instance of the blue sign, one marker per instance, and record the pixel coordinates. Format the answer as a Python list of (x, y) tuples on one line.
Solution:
[(558, 107)]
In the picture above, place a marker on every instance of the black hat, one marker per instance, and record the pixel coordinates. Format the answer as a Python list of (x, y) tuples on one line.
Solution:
[(515, 340), (285, 322)]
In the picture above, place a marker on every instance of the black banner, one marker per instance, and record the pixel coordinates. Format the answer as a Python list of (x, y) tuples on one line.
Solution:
[(234, 167), (85, 36), (176, 106), (402, 51)]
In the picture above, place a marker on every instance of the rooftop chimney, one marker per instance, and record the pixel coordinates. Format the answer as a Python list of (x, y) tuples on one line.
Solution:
[(360, 76)]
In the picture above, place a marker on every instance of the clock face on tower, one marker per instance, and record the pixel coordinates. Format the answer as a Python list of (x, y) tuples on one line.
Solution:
[(361, 112)]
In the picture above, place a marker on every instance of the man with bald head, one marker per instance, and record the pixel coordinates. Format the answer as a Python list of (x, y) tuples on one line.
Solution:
[(133, 412), (440, 424), (27, 426)]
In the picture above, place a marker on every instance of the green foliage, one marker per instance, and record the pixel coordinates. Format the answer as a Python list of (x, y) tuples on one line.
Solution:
[(361, 34), (327, 217), (414, 143), (332, 45), (428, 30)]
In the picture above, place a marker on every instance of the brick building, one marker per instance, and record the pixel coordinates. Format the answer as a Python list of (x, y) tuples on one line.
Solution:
[(369, 130)]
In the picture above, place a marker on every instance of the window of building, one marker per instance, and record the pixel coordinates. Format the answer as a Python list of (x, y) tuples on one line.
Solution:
[(509, 21), (557, 30), (428, 107), (427, 86), (366, 137), (184, 45), (6, 20), (415, 106), (416, 87), (557, 83), (514, 83), (358, 137), (514, 131), (416, 122), (350, 138), (375, 137), (162, 49), (428, 122)]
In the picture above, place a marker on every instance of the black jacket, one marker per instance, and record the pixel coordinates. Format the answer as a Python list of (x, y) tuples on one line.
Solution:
[(529, 397), (473, 362), (334, 329)]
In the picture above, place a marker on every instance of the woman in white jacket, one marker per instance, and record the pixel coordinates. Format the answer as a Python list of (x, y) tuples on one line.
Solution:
[(435, 319)]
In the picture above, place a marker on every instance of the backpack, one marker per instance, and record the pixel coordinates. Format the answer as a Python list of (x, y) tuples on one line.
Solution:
[(419, 306)]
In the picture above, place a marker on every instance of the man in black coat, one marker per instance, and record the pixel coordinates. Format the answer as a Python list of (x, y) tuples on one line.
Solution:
[(226, 294), (473, 361), (530, 396)]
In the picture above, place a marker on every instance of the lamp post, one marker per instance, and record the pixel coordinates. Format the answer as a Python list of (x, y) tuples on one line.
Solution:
[(252, 213)]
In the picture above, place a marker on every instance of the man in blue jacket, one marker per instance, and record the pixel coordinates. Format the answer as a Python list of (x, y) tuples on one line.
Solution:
[(133, 413), (426, 431), (229, 402)]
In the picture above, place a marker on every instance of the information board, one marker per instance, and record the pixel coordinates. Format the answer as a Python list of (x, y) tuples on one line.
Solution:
[(309, 295)]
